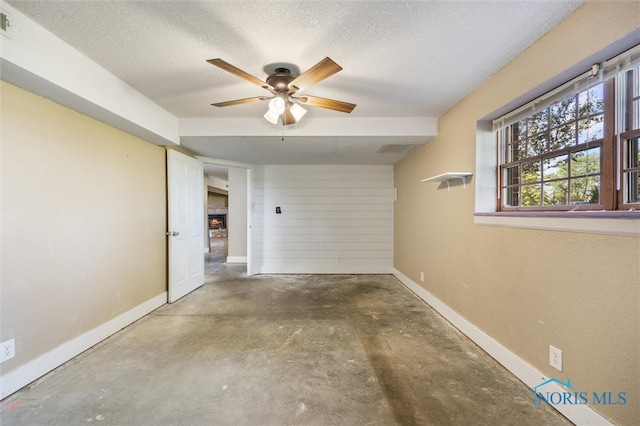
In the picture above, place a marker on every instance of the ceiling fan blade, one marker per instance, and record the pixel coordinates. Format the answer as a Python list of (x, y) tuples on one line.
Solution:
[(240, 101), (287, 117), (238, 72), (327, 103), (323, 69)]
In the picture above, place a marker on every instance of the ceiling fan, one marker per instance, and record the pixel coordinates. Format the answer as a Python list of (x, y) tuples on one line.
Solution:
[(283, 105)]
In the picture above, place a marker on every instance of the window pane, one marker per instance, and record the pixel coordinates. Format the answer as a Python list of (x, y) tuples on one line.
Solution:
[(563, 112), (531, 172), (591, 101), (633, 153), (516, 151), (511, 196), (512, 175), (632, 182), (635, 108), (635, 115), (585, 162), (519, 130), (537, 145), (585, 190), (531, 195), (562, 137), (555, 193), (538, 122), (631, 179), (555, 167), (591, 129)]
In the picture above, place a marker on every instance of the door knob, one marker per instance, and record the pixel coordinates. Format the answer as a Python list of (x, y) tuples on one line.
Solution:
[(173, 234)]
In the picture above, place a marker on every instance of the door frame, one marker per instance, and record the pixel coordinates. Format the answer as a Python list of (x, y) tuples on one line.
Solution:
[(249, 168)]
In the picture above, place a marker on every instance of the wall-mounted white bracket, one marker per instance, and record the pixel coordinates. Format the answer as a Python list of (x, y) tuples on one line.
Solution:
[(448, 177)]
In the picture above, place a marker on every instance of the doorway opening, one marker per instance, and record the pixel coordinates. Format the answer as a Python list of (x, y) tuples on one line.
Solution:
[(228, 192), (216, 178)]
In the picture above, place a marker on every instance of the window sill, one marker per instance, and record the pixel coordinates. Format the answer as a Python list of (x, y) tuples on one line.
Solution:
[(595, 222)]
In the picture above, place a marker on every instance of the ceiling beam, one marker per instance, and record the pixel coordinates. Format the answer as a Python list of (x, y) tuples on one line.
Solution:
[(36, 60), (310, 126)]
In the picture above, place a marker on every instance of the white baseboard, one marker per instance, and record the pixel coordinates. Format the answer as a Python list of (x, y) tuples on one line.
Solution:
[(365, 270), (237, 259), (578, 414), (321, 267), (20, 377)]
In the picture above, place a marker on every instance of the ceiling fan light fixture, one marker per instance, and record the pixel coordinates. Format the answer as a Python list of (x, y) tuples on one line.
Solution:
[(271, 116), (297, 111), (278, 103)]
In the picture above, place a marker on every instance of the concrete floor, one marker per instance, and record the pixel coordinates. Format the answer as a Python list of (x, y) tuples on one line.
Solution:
[(283, 350)]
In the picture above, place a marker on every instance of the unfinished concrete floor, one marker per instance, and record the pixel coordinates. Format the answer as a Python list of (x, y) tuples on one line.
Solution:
[(283, 350)]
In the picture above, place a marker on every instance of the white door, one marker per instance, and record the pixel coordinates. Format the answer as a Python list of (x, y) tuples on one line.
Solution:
[(186, 224)]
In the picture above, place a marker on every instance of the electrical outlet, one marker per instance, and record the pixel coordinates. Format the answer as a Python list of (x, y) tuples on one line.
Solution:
[(7, 350), (555, 358), (422, 276)]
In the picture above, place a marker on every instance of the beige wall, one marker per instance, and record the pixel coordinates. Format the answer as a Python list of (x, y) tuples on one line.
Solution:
[(83, 222), (527, 288), (217, 201)]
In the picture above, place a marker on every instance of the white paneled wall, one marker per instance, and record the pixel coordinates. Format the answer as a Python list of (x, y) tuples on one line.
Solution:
[(335, 219)]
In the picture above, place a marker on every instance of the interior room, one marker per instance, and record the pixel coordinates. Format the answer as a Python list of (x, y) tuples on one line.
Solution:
[(288, 212), (217, 189)]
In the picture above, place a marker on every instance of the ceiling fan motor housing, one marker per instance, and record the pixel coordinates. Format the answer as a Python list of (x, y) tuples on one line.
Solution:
[(280, 80)]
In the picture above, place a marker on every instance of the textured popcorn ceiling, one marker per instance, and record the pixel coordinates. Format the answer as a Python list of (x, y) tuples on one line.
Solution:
[(400, 58)]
